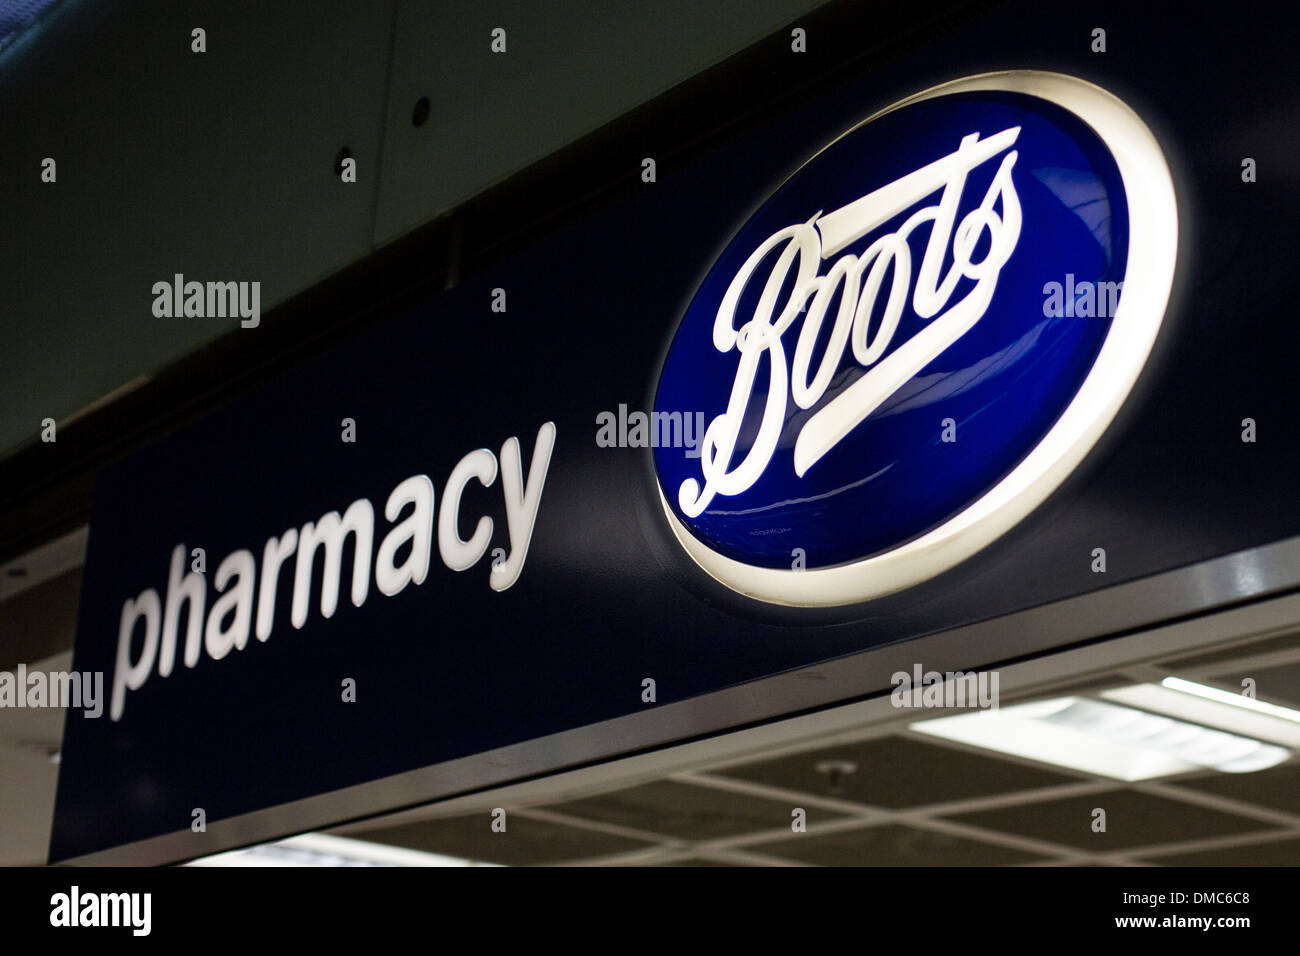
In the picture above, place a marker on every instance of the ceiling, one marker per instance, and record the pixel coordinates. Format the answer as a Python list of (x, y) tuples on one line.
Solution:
[(221, 165), (912, 801)]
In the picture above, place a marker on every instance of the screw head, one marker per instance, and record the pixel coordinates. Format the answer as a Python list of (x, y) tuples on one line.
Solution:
[(421, 112)]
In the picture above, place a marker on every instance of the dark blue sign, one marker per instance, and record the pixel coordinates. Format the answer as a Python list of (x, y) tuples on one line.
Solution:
[(888, 338)]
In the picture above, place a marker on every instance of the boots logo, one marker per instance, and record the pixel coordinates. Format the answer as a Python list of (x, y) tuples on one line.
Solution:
[(884, 390)]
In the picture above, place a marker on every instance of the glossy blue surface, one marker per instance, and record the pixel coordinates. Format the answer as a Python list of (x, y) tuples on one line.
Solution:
[(1004, 383)]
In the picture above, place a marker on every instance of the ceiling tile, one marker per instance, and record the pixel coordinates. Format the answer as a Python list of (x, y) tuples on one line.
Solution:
[(1132, 819), (897, 772), (566, 70), (218, 166), (892, 845), (1277, 788), (689, 812), (40, 621), (1264, 853)]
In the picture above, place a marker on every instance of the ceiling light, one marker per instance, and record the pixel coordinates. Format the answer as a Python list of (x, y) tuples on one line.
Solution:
[(319, 849), (1211, 707), (1233, 700), (1105, 738)]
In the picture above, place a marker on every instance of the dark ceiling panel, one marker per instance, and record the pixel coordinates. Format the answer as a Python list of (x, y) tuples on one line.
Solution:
[(1277, 788), (899, 772), (892, 845), (39, 622), (567, 68), (1133, 819), (1264, 853), (688, 811), (216, 165)]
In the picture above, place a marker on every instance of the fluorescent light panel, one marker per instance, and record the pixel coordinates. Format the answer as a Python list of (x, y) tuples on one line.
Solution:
[(1233, 700), (320, 849), (1212, 708), (1106, 738)]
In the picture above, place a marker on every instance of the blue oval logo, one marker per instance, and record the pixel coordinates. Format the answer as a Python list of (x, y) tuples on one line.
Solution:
[(916, 338)]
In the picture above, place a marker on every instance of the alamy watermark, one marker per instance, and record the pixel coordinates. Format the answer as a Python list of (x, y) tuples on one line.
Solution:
[(74, 908), (1084, 300), (947, 689), (638, 429), (23, 688), (208, 300)]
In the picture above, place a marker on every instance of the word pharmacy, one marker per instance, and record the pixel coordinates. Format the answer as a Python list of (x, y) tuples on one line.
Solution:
[(230, 618)]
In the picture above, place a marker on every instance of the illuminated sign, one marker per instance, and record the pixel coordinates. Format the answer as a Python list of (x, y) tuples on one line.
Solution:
[(889, 370)]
